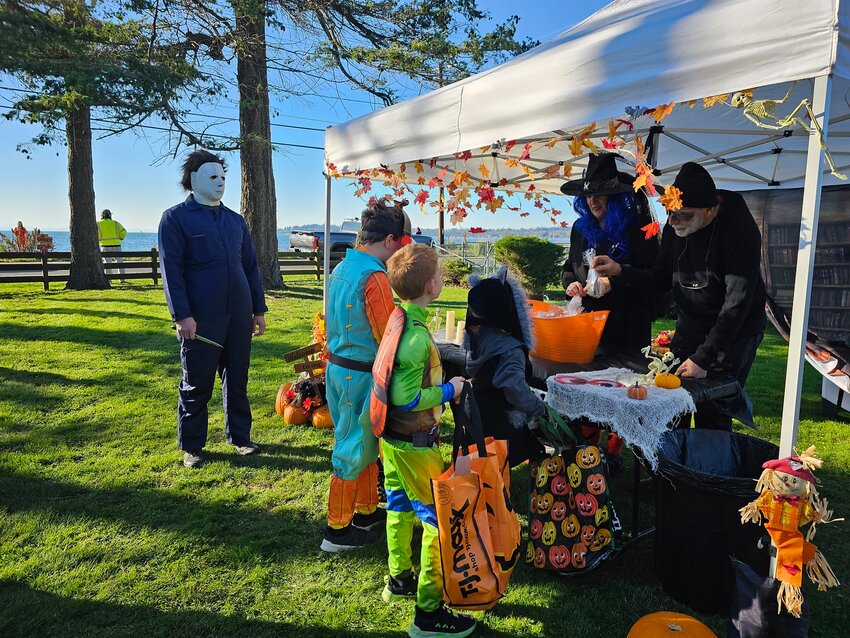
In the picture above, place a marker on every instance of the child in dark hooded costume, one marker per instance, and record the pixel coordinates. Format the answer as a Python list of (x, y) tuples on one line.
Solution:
[(498, 339)]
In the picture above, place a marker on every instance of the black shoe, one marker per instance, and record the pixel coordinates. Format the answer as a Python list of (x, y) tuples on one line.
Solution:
[(349, 537), (440, 623), (193, 458), (378, 518), (400, 587)]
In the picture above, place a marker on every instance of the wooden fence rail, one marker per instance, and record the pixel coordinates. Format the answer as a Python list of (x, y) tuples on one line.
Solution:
[(53, 267)]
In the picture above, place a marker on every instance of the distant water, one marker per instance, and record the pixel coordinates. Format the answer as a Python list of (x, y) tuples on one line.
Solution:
[(136, 241)]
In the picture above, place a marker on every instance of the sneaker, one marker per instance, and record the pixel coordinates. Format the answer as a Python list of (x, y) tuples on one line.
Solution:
[(248, 449), (347, 538), (442, 622), (399, 587), (193, 458), (378, 518)]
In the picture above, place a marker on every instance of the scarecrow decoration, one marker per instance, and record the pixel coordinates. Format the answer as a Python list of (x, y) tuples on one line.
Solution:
[(789, 500)]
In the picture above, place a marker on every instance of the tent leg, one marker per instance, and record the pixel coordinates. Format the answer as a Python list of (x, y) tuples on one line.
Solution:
[(805, 269), (327, 243)]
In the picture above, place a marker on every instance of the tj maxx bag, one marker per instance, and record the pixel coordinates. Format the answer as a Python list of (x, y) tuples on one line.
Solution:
[(479, 531), (571, 522)]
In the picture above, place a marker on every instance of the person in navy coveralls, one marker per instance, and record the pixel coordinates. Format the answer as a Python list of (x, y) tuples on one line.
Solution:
[(213, 290)]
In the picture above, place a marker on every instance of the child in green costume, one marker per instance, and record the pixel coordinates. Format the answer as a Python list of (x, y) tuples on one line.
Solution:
[(411, 455)]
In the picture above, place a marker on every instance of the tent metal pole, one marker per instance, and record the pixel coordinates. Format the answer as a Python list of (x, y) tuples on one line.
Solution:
[(327, 242), (805, 269)]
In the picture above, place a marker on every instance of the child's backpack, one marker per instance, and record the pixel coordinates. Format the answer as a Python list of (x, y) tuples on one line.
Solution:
[(382, 371)]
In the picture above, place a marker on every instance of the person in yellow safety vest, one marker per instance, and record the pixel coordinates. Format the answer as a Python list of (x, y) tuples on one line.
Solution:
[(109, 234)]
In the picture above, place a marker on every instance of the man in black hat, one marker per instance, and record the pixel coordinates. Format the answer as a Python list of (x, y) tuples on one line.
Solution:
[(710, 256)]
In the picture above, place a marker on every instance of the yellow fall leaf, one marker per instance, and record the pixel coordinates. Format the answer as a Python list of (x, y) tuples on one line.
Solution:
[(575, 146), (662, 111), (511, 162), (568, 170), (708, 102), (591, 146), (612, 129), (640, 182), (587, 131), (671, 199), (482, 168)]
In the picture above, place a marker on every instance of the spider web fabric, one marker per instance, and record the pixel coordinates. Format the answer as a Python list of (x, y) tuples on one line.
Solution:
[(640, 423)]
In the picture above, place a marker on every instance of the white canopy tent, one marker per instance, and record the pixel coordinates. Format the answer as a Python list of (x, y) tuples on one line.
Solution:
[(646, 53)]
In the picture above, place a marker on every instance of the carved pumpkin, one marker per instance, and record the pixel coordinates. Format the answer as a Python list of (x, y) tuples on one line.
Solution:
[(668, 623), (529, 552), (596, 484), (540, 558), (559, 485), (535, 529), (602, 539), (553, 465), (281, 402), (588, 457), (293, 415), (322, 418), (559, 511), (636, 392), (544, 503), (601, 515), (668, 381), (570, 527), (574, 475), (549, 533), (579, 556), (542, 477), (559, 556), (587, 534), (586, 504)]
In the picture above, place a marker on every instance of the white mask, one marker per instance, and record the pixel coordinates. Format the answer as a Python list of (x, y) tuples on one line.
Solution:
[(208, 183)]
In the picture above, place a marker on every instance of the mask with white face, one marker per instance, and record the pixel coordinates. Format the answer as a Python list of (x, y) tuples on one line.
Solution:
[(208, 184)]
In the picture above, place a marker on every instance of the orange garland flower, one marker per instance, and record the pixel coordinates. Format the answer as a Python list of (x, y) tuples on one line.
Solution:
[(671, 199)]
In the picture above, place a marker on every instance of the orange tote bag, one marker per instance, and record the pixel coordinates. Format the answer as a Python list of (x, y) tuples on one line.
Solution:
[(478, 528)]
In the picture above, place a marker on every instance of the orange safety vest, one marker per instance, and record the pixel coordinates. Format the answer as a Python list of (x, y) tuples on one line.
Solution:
[(382, 371)]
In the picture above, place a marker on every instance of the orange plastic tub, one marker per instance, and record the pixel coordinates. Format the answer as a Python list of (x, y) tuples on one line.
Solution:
[(566, 339)]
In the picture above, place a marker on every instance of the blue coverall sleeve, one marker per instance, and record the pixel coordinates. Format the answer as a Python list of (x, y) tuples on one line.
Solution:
[(252, 272), (172, 249)]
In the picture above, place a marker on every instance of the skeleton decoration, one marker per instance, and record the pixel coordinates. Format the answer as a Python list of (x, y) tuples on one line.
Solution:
[(658, 365), (762, 113)]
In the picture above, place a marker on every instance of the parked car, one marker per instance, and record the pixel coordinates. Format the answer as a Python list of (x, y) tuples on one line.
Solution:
[(345, 237), (310, 240)]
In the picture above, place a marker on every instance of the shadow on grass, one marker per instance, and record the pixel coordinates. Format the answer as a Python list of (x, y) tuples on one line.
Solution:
[(101, 314), (239, 531), (298, 292), (31, 612), (280, 457)]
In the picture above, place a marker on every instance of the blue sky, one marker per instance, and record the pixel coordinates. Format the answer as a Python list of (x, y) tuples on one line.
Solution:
[(133, 180)]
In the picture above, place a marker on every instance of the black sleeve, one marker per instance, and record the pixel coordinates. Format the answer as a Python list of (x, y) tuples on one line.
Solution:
[(657, 277), (741, 254), (568, 273)]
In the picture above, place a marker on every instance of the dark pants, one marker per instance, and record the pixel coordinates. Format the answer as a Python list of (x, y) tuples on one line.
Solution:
[(200, 363), (737, 366)]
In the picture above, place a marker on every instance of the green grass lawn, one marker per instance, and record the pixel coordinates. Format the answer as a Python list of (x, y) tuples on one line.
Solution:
[(104, 533)]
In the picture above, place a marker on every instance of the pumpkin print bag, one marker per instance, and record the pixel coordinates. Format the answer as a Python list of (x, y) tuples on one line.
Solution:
[(571, 522)]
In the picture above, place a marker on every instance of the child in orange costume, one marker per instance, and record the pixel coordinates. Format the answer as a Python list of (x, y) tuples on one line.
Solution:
[(788, 501)]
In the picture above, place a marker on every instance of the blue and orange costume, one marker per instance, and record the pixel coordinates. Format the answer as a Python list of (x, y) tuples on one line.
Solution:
[(359, 304)]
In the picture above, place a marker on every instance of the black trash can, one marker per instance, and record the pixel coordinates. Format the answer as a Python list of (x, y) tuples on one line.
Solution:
[(705, 477)]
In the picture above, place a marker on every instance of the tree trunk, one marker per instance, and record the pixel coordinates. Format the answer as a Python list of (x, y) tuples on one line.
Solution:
[(259, 203), (86, 264)]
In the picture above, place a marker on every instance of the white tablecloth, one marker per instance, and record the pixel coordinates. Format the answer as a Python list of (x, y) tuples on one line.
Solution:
[(639, 422)]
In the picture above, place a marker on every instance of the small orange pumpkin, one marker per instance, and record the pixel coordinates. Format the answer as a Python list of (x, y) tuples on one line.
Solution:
[(293, 415), (322, 418), (636, 392), (668, 381), (668, 623), (281, 402)]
